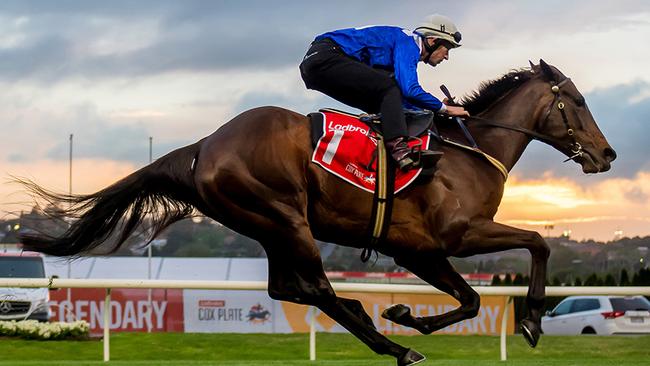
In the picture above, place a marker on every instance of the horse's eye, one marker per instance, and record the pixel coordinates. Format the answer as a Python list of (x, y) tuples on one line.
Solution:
[(580, 102)]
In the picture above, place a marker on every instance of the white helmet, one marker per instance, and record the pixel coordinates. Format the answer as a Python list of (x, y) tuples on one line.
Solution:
[(439, 26)]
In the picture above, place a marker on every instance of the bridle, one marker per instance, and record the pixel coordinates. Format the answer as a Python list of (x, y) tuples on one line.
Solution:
[(574, 147)]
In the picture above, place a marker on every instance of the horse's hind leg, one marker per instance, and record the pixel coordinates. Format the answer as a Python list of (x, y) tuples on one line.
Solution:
[(296, 274), (355, 307), (439, 273)]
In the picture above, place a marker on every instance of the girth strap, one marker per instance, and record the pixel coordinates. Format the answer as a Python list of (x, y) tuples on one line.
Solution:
[(382, 203)]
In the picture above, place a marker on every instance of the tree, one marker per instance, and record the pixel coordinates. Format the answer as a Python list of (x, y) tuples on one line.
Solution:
[(496, 280), (518, 280), (609, 280), (625, 279), (592, 280), (577, 282), (641, 278)]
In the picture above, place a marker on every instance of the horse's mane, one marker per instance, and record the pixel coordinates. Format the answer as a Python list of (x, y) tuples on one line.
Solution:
[(491, 90)]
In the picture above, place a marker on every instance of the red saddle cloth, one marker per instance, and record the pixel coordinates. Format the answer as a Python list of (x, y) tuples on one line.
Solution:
[(346, 150)]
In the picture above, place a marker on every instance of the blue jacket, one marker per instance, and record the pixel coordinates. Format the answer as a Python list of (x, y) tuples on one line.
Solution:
[(390, 47)]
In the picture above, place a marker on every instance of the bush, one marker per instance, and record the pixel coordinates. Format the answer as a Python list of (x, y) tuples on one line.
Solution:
[(32, 329)]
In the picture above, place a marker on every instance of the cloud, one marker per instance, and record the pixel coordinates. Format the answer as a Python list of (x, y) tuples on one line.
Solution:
[(88, 175), (635, 194), (82, 39), (594, 211), (139, 38), (98, 138), (41, 135)]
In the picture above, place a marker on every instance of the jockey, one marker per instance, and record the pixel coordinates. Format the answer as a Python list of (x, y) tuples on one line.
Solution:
[(375, 69)]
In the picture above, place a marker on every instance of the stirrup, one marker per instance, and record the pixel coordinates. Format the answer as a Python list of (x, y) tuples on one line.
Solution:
[(429, 158), (423, 158)]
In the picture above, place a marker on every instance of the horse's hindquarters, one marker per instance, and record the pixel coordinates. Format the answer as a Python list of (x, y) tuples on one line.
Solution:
[(251, 172)]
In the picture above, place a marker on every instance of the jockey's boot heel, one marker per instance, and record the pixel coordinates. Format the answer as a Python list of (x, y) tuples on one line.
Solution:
[(412, 157), (401, 153)]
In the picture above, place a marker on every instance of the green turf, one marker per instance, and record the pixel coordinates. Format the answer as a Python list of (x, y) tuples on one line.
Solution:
[(332, 350)]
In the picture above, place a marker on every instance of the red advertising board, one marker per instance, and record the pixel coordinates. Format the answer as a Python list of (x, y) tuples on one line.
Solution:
[(130, 310)]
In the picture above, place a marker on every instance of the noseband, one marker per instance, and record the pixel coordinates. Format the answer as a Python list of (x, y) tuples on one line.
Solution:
[(574, 147)]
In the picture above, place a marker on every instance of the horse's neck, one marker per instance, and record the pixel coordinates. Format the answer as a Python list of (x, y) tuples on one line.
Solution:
[(519, 110)]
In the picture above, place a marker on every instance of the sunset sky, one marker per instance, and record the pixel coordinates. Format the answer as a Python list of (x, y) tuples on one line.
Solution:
[(114, 73)]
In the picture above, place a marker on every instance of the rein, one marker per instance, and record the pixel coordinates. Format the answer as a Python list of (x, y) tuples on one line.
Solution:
[(574, 147)]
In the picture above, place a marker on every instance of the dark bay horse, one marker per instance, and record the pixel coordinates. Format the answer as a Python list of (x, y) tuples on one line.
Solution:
[(255, 175)]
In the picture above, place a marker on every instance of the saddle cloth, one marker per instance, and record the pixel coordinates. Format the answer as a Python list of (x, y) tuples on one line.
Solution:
[(346, 147)]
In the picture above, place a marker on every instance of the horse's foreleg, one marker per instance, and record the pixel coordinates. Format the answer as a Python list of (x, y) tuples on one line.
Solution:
[(486, 236), (442, 275)]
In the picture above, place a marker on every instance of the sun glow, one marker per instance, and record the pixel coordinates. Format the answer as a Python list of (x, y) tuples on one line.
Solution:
[(594, 211), (562, 196)]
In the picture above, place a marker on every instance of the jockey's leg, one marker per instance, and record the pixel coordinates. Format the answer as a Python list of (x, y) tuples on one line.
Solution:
[(441, 274)]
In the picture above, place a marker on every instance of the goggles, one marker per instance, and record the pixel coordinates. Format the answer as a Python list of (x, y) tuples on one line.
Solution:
[(456, 36)]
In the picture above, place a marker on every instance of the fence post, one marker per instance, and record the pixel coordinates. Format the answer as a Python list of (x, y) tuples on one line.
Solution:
[(504, 328), (312, 334), (107, 325)]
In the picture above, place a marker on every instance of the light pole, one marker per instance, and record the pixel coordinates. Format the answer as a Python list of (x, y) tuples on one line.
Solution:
[(69, 293), (149, 255), (548, 228)]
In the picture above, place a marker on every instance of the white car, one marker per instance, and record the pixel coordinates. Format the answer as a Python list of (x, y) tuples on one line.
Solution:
[(23, 303), (599, 315)]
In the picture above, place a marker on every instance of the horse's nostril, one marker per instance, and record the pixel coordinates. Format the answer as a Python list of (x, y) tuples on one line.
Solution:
[(610, 154)]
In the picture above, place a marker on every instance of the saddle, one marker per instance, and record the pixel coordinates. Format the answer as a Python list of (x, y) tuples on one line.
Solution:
[(417, 122)]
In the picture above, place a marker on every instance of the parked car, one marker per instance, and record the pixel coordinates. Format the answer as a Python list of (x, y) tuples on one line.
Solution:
[(599, 315), (23, 303)]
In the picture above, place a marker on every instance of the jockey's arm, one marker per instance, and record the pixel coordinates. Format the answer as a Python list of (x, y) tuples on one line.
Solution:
[(406, 58)]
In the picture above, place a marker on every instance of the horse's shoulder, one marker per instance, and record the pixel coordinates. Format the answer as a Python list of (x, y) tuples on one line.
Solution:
[(461, 188)]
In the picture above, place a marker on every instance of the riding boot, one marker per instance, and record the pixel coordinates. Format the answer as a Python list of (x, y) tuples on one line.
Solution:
[(400, 151), (408, 158)]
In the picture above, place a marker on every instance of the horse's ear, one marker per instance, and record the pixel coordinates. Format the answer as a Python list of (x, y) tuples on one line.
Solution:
[(532, 65), (546, 69)]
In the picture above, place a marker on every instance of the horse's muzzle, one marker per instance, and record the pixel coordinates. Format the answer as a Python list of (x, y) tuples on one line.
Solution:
[(597, 162)]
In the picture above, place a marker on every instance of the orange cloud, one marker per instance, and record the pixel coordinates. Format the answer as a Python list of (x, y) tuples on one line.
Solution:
[(594, 212), (88, 175)]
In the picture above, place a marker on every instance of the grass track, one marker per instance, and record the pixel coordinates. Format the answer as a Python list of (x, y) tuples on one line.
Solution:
[(177, 349)]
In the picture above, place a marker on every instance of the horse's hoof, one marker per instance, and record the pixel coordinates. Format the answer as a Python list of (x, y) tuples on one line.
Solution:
[(396, 312), (531, 332), (411, 357)]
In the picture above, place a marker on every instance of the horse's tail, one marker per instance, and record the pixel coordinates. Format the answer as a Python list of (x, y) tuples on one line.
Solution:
[(151, 199)]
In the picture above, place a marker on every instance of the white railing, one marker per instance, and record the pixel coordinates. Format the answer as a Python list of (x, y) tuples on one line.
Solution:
[(108, 284)]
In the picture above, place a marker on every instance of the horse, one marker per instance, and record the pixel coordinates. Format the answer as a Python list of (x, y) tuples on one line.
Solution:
[(255, 175)]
